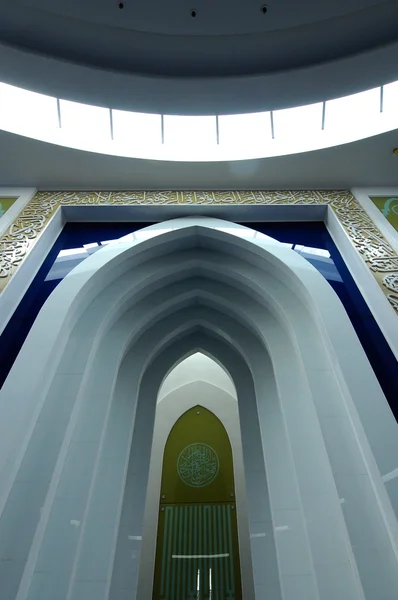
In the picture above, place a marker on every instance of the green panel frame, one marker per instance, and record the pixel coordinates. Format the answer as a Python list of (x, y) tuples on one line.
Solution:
[(197, 554)]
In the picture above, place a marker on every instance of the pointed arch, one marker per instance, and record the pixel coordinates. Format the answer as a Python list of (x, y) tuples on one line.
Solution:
[(197, 365), (128, 309)]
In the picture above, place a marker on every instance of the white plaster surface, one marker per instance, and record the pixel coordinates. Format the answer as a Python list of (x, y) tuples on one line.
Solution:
[(197, 367), (77, 415)]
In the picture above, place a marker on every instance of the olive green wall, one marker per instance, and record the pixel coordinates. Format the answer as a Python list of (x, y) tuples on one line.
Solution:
[(5, 204), (388, 206)]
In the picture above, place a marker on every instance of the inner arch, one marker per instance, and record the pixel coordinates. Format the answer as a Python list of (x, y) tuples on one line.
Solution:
[(196, 368)]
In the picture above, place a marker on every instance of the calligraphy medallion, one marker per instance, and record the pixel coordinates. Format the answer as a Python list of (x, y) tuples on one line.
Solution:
[(198, 465)]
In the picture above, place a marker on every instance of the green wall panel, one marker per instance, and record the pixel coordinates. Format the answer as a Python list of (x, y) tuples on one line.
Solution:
[(389, 207), (197, 555), (5, 204)]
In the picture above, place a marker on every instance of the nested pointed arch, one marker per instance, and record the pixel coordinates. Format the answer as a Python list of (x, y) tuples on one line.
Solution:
[(204, 339), (173, 255), (109, 334), (264, 278), (197, 365)]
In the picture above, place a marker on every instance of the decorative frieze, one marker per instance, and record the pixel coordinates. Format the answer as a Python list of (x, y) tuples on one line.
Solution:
[(381, 258)]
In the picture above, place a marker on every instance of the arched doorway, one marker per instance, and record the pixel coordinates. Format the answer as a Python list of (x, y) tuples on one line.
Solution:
[(197, 555)]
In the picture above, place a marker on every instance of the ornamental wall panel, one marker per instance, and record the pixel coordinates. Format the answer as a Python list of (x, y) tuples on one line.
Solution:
[(366, 237)]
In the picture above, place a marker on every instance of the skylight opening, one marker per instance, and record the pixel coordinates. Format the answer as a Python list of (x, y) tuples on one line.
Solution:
[(85, 121), (133, 129), (183, 129), (25, 112), (199, 138), (298, 124), (238, 131), (353, 116)]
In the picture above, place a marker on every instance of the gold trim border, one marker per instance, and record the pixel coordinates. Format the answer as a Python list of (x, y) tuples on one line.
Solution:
[(368, 240)]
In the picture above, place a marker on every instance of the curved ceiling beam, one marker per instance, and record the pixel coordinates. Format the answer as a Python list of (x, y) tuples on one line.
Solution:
[(368, 162), (271, 71), (206, 50)]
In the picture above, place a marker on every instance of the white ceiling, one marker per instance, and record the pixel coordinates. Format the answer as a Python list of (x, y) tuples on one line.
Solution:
[(154, 57), (229, 17), (27, 162)]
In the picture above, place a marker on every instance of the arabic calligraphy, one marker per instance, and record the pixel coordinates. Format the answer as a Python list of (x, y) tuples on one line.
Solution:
[(379, 255), (198, 465)]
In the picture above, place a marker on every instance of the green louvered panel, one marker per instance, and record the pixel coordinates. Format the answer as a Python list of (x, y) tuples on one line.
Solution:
[(197, 556)]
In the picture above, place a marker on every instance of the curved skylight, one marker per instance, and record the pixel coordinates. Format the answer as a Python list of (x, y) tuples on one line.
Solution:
[(199, 138)]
